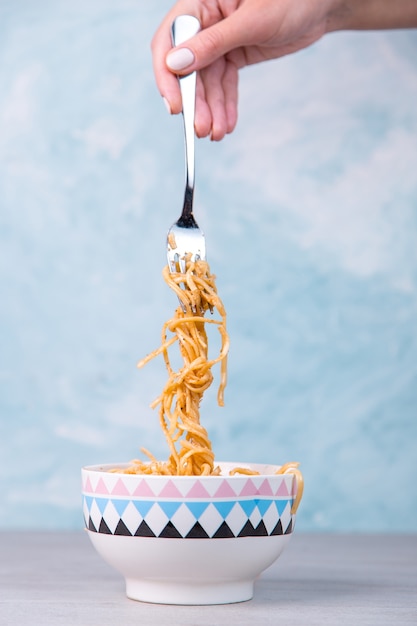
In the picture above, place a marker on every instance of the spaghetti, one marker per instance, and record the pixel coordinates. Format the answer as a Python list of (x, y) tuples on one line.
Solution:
[(179, 402)]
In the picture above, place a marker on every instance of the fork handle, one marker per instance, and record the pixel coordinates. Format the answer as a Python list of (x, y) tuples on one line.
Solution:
[(184, 27)]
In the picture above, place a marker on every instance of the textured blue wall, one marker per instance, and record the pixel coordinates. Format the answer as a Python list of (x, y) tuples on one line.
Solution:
[(310, 214)]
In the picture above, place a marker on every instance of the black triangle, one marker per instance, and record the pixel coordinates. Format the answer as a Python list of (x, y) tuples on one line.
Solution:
[(278, 529), (121, 529), (223, 532), (103, 528), (197, 532), (289, 528), (170, 532), (248, 530), (144, 530), (260, 530), (91, 525)]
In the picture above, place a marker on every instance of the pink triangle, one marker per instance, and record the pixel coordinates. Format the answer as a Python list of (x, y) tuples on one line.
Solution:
[(88, 487), (198, 491), (265, 488), (143, 490), (294, 487), (101, 487), (249, 489), (120, 489), (282, 489), (224, 491), (170, 491)]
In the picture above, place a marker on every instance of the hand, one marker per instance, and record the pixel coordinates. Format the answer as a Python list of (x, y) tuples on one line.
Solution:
[(236, 33)]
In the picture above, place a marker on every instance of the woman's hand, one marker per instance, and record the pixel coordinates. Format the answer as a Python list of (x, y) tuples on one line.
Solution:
[(236, 33)]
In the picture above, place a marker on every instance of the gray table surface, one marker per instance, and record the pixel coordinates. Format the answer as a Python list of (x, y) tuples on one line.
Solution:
[(54, 578)]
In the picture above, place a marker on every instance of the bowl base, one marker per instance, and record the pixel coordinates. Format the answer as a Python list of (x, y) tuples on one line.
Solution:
[(189, 571), (157, 592)]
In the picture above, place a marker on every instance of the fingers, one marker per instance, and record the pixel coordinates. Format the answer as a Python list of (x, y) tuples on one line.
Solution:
[(216, 104), (216, 97), (230, 87), (205, 48), (166, 81)]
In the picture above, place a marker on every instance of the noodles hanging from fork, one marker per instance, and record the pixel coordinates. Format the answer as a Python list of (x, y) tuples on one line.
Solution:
[(179, 402)]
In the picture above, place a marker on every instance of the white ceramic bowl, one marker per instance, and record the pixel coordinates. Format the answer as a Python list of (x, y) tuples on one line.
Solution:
[(188, 539)]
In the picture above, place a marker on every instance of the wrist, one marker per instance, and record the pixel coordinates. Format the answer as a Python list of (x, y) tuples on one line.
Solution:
[(371, 14)]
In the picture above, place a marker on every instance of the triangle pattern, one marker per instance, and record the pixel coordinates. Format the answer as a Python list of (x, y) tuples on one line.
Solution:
[(260, 530), (249, 488), (170, 507), (197, 508), (170, 532), (294, 487), (101, 488), (281, 506), (143, 506), (263, 506), (143, 490), (88, 487), (248, 506), (225, 490), (121, 529), (197, 532), (282, 490), (103, 528), (143, 530), (198, 490), (101, 504), (288, 530), (278, 529), (265, 488), (223, 532), (224, 508), (89, 501), (120, 506), (170, 491), (120, 489), (249, 531)]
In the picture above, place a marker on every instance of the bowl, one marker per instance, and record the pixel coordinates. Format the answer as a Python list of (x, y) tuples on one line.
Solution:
[(190, 539)]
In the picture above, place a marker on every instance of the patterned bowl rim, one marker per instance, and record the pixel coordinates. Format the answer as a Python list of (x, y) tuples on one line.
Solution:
[(189, 507), (264, 469)]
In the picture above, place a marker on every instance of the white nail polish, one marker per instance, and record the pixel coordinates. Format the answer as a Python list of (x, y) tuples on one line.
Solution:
[(167, 105), (180, 59)]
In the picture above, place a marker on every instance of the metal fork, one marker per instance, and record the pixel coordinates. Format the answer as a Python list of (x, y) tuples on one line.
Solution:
[(185, 240)]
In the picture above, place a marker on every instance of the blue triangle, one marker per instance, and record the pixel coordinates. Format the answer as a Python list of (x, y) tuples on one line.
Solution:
[(102, 503), (170, 507), (281, 504), (197, 508), (247, 506), (224, 508), (89, 501), (263, 506), (143, 506), (120, 506)]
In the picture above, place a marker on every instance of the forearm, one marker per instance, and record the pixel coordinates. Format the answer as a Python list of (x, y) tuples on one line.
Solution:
[(372, 15)]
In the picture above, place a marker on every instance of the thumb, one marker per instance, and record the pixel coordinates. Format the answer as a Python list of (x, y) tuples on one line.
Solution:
[(207, 46)]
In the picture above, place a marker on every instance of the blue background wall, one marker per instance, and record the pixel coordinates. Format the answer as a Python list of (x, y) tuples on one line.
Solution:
[(310, 215)]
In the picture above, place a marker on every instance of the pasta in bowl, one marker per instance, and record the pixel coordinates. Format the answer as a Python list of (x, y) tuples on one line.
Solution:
[(191, 539), (190, 530)]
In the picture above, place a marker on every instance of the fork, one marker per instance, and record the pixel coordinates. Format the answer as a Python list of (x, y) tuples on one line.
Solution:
[(185, 240)]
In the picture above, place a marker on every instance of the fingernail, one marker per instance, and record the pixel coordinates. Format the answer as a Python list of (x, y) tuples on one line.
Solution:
[(180, 59), (167, 104)]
